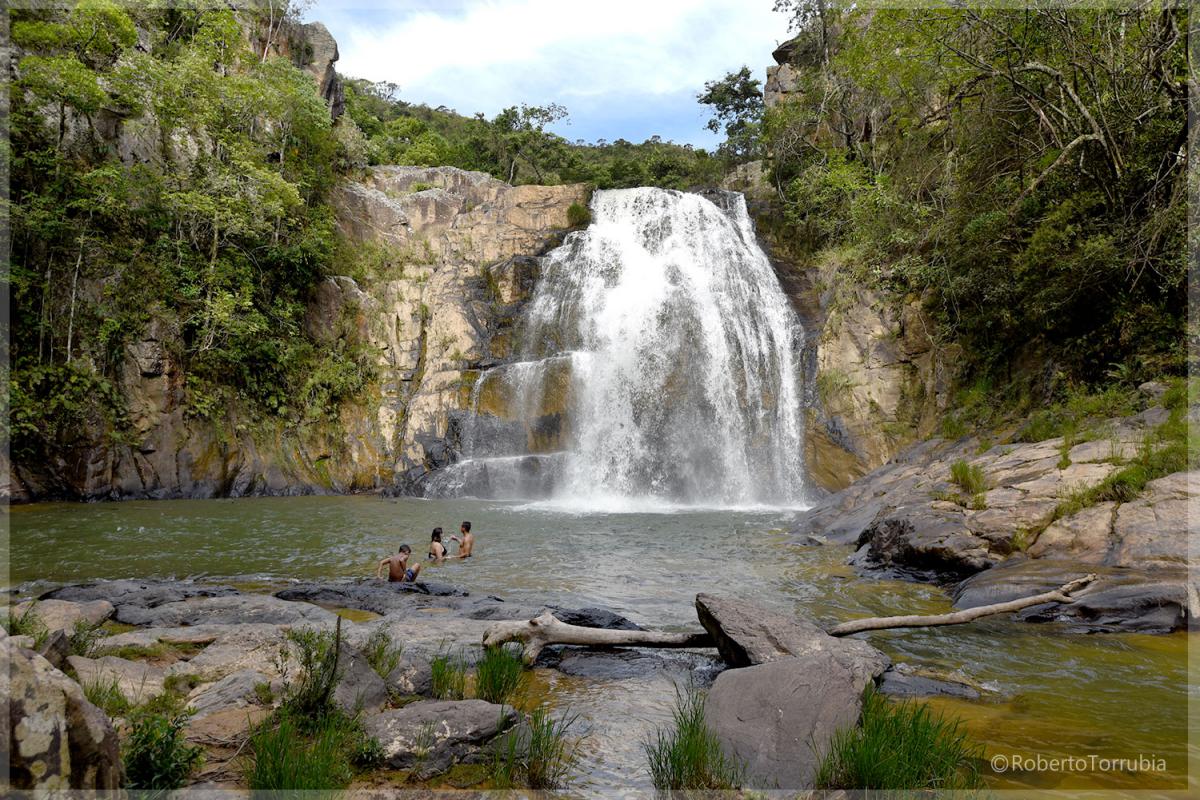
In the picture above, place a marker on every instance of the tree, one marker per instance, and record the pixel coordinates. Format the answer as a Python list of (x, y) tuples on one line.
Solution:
[(737, 108)]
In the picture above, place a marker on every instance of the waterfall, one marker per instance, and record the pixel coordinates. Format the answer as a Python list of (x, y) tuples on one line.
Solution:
[(659, 366)]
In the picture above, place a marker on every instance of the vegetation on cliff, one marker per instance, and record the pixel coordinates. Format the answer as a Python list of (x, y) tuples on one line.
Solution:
[(1022, 170)]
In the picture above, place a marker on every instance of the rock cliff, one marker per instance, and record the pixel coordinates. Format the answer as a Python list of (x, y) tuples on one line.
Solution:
[(440, 280)]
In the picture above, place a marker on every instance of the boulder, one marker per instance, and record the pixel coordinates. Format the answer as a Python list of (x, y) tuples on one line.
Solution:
[(413, 675), (1150, 601), (360, 687), (924, 541), (56, 738), (366, 594), (432, 735), (778, 718), (64, 614), (137, 681), (593, 618), (748, 635), (56, 648), (235, 691)]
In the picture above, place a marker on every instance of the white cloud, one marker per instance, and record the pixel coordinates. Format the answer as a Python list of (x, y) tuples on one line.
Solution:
[(483, 55)]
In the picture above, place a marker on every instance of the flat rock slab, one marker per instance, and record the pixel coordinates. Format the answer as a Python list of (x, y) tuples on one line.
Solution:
[(1148, 601), (748, 635), (903, 684), (234, 691), (380, 597), (235, 609), (436, 734), (237, 648), (64, 614), (147, 593), (137, 681), (778, 718)]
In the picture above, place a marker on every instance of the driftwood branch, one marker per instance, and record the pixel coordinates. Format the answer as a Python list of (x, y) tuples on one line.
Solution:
[(540, 631), (1059, 595)]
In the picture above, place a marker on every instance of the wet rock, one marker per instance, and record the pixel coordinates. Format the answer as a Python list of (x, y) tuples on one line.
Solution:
[(141, 594), (749, 635), (778, 718), (601, 665), (64, 614), (432, 735), (367, 594), (56, 738), (137, 681), (905, 684), (1151, 601), (593, 618), (925, 542), (237, 609), (235, 691)]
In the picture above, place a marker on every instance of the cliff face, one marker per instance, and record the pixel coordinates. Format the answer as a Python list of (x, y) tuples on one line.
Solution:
[(445, 287)]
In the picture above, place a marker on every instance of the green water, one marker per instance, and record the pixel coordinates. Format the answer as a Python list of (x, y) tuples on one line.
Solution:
[(1111, 696)]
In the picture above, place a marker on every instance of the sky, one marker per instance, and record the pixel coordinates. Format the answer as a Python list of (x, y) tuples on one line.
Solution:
[(623, 68)]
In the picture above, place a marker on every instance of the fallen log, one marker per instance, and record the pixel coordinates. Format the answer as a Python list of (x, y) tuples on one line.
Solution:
[(1060, 595), (547, 629)]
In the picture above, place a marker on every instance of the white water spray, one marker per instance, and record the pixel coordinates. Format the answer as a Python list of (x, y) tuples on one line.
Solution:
[(683, 356)]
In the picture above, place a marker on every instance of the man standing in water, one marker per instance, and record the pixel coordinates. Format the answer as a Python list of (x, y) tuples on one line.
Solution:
[(466, 543), (398, 569)]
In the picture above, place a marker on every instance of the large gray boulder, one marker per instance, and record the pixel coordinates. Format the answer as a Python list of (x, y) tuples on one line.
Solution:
[(56, 739), (413, 675), (360, 687), (777, 719), (430, 736), (748, 635)]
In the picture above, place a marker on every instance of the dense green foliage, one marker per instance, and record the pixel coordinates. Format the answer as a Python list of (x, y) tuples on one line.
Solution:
[(1023, 170), (514, 146), (900, 746), (207, 233), (737, 103), (688, 755), (157, 755)]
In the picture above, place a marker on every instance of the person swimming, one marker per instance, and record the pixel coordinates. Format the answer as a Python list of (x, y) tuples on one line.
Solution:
[(398, 569), (437, 550), (466, 543)]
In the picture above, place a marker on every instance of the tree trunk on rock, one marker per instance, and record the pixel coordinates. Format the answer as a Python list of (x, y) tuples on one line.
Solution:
[(547, 629)]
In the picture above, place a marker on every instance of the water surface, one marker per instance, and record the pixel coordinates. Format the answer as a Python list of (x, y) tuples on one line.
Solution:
[(1044, 692)]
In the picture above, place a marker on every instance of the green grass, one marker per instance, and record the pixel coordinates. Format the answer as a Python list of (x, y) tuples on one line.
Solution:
[(106, 694), (85, 637), (833, 384), (381, 653), (448, 677), (897, 747), (498, 674), (156, 754), (688, 755), (968, 477), (285, 756), (27, 623), (538, 755)]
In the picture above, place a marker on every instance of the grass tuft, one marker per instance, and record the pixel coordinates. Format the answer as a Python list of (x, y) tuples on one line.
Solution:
[(688, 756), (900, 747), (381, 653), (498, 674), (28, 623), (537, 755), (106, 695), (448, 677), (968, 477)]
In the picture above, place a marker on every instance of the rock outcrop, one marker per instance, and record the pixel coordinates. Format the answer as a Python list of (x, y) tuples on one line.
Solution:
[(56, 739), (1015, 538), (430, 736)]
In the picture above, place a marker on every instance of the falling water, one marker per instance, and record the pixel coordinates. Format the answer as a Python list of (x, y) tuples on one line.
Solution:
[(659, 367)]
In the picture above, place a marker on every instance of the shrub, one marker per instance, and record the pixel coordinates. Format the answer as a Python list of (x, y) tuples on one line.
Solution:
[(689, 756), (448, 677), (968, 477), (157, 756), (578, 215), (498, 674), (901, 746), (311, 694), (381, 653), (537, 756)]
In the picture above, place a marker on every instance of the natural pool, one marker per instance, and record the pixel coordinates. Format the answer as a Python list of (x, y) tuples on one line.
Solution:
[(1046, 692)]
